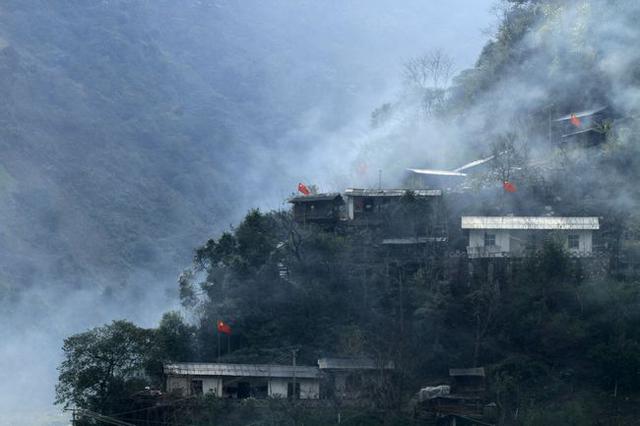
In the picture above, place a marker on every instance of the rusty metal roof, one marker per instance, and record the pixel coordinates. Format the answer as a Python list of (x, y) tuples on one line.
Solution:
[(357, 192), (240, 370), (529, 222)]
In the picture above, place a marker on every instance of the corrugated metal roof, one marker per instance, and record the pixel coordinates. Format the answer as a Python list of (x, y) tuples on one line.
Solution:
[(437, 172), (356, 192), (413, 240), (581, 114), (478, 371), (350, 364), (240, 370), (315, 197), (529, 222)]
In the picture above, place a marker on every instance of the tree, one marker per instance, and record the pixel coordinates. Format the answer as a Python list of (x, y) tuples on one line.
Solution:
[(102, 365), (428, 76)]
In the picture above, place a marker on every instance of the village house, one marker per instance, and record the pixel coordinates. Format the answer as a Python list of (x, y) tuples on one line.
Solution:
[(347, 378), (317, 208), (367, 205), (240, 381), (463, 401), (514, 236), (585, 127)]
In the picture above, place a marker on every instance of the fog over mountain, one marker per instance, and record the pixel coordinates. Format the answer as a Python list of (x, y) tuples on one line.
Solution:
[(133, 130)]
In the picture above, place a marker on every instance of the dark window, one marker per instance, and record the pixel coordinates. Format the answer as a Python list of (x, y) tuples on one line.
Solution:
[(573, 241), (290, 390), (244, 390), (196, 387), (489, 239), (368, 204)]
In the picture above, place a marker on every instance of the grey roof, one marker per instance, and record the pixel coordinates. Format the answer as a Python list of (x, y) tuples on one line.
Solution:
[(356, 192), (590, 129), (581, 114), (350, 364), (240, 370), (529, 222), (315, 197), (479, 371), (413, 240)]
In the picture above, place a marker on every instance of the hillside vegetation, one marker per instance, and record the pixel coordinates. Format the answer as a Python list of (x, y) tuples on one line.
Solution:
[(559, 337)]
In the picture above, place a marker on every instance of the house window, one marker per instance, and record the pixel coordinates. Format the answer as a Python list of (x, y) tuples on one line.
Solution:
[(290, 390), (489, 239), (368, 204), (573, 241), (196, 387)]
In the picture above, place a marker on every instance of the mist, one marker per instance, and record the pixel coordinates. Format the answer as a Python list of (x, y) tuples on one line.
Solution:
[(133, 131)]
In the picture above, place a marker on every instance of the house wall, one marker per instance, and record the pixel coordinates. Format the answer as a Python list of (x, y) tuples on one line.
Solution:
[(585, 243), (476, 238), (514, 241), (309, 389), (182, 384), (278, 388), (178, 384), (211, 385), (350, 208)]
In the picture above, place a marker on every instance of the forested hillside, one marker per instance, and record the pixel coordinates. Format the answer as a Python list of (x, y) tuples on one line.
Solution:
[(558, 336)]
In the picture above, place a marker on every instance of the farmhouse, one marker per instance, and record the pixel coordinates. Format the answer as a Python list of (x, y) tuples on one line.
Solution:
[(370, 204), (317, 208), (243, 380), (513, 236)]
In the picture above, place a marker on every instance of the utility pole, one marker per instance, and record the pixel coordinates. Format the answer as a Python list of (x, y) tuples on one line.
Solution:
[(294, 352), (379, 178), (218, 345)]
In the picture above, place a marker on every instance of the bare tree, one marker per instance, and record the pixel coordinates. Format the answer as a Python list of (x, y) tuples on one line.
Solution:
[(428, 75), (432, 70)]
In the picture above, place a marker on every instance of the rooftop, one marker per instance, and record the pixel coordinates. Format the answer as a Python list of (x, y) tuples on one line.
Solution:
[(529, 222), (350, 364), (413, 240), (240, 370), (356, 192), (315, 197), (585, 113), (479, 371)]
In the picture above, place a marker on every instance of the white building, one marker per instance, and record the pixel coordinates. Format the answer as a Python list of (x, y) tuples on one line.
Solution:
[(512, 236), (243, 380)]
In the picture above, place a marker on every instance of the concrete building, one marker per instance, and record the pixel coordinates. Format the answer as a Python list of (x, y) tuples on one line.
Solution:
[(317, 208), (513, 236), (243, 380), (369, 204), (348, 378)]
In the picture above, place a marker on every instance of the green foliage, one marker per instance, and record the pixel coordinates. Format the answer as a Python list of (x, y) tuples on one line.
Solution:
[(102, 366)]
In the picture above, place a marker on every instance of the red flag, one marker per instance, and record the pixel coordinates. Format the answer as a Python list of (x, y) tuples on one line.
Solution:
[(302, 188), (575, 120), (508, 186), (224, 328)]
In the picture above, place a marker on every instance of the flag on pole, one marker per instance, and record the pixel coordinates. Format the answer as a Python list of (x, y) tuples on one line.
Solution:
[(575, 120), (508, 186), (224, 328), (302, 188)]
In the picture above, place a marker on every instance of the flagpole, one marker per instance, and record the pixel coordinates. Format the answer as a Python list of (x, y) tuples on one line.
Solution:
[(228, 343), (218, 345)]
